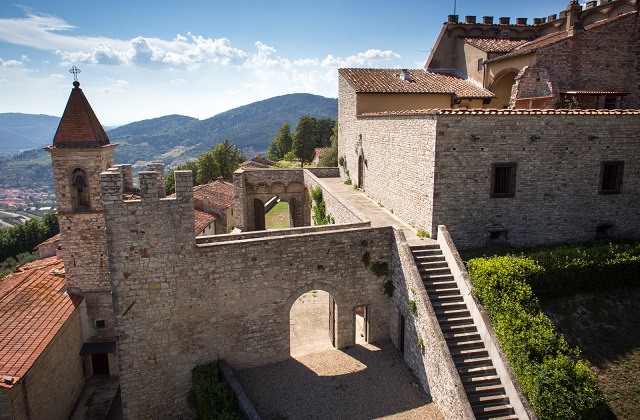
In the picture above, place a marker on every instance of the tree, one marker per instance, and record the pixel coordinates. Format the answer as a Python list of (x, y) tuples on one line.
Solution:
[(305, 140), (228, 158), (329, 157), (324, 129), (281, 144)]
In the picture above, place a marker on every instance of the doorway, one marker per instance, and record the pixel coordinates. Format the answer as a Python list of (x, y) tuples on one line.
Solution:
[(362, 324), (100, 364), (312, 323), (361, 172), (258, 211), (401, 334)]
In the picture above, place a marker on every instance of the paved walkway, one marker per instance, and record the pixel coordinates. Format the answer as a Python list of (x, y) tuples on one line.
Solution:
[(379, 216)]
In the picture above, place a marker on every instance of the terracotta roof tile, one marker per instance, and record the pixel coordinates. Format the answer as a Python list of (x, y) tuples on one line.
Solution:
[(495, 45), (421, 81), (250, 164), (51, 240), (33, 308), (79, 126), (219, 192), (203, 219), (488, 111)]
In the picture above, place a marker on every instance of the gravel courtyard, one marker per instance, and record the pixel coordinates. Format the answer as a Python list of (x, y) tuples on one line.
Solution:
[(364, 382)]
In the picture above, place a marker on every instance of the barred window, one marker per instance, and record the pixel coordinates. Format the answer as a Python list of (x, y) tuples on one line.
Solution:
[(503, 180), (611, 177)]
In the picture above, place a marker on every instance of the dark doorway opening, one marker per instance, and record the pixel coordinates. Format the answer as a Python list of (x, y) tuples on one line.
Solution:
[(258, 210), (361, 172), (100, 364)]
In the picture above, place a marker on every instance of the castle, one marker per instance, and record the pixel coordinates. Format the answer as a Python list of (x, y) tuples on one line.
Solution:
[(139, 296)]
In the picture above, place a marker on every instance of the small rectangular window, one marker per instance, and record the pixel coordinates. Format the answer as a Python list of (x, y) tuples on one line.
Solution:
[(611, 177), (480, 63), (100, 324), (498, 236), (503, 180), (604, 231)]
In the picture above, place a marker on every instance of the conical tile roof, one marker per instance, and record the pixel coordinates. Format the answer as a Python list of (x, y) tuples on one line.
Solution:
[(79, 127)]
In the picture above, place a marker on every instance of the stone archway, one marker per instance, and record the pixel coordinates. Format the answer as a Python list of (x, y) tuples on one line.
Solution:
[(502, 86)]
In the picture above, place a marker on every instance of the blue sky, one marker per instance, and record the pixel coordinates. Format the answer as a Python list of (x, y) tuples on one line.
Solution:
[(145, 59)]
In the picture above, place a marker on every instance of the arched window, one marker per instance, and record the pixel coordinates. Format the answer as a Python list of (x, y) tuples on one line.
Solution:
[(79, 190)]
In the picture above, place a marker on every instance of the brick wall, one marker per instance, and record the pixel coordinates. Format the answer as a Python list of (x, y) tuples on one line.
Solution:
[(178, 304)]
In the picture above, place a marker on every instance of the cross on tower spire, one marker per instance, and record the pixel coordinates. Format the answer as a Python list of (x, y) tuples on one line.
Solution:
[(74, 70)]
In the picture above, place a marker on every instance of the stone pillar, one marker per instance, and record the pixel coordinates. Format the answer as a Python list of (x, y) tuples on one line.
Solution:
[(148, 186), (158, 168)]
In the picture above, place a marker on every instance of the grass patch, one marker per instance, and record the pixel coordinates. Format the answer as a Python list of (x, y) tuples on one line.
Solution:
[(278, 216)]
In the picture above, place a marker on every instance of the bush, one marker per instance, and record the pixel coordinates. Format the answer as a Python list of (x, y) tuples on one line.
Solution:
[(213, 398), (554, 378)]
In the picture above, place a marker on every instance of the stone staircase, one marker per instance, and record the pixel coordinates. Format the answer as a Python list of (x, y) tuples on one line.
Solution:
[(483, 387)]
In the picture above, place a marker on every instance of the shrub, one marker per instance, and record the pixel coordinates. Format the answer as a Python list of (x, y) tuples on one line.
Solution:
[(213, 398), (556, 381), (380, 268), (413, 308)]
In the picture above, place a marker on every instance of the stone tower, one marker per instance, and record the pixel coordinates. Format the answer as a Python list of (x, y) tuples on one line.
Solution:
[(80, 152)]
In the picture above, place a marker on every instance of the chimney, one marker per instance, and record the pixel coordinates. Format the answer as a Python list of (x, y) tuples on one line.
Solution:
[(487, 20), (577, 27), (453, 19), (573, 13), (521, 21), (591, 5), (551, 18), (470, 20), (602, 2), (405, 75), (537, 21), (505, 20)]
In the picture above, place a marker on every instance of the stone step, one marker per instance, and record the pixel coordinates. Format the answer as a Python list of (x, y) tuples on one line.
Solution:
[(447, 283), (468, 353), (453, 305), (466, 320), (477, 361), (428, 258), (452, 312), (481, 380), (486, 390), (435, 299), (494, 399), (433, 271), (436, 277), (462, 336), (431, 264), (468, 344), (453, 328), (491, 411), (424, 247), (468, 371), (440, 290), (494, 417)]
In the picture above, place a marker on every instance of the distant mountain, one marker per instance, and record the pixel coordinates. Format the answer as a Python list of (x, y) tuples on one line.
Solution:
[(19, 132), (172, 139)]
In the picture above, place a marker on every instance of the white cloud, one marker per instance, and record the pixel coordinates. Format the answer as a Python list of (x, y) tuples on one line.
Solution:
[(368, 58), (10, 63)]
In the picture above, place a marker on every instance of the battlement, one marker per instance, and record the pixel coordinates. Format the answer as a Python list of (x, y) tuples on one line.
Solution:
[(115, 181)]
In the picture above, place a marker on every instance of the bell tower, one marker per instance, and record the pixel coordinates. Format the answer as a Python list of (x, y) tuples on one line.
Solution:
[(80, 152)]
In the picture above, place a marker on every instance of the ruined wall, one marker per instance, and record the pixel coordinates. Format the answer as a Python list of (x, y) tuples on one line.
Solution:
[(558, 157), (178, 304), (601, 58), (398, 154)]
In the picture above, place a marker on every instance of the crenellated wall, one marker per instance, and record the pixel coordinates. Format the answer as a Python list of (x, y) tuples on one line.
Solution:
[(178, 304)]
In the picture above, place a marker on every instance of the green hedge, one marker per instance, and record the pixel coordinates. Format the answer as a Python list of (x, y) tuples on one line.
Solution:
[(595, 266), (557, 382), (213, 398)]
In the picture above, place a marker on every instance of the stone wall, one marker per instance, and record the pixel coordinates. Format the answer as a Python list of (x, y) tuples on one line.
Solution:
[(558, 157), (341, 211), (51, 387), (431, 363), (398, 155), (178, 304)]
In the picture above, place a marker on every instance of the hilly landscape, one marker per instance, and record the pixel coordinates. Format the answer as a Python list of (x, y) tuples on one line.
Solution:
[(20, 132), (172, 139)]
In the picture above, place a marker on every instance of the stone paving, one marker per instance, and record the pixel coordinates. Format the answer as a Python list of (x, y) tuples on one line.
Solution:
[(379, 216)]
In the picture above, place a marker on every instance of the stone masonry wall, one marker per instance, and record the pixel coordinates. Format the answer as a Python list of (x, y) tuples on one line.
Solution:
[(178, 304), (55, 380), (342, 212), (398, 154), (558, 157)]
